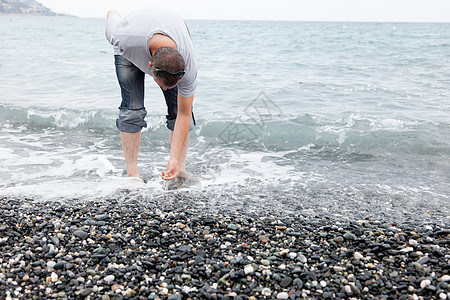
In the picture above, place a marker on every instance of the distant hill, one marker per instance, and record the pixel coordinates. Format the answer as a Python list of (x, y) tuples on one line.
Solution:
[(24, 7)]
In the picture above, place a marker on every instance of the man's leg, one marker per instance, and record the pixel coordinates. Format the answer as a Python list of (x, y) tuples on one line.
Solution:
[(131, 111), (131, 142)]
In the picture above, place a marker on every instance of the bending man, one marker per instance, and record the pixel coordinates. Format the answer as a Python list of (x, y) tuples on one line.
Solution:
[(157, 43)]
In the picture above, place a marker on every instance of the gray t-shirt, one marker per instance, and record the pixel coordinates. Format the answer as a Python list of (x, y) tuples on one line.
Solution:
[(130, 38)]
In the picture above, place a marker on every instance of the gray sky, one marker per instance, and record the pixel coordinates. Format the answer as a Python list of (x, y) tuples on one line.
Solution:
[(303, 10)]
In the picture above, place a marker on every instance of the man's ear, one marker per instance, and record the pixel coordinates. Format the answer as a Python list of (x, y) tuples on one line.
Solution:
[(150, 64)]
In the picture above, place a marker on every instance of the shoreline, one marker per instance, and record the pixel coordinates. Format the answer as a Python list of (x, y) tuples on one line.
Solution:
[(114, 249)]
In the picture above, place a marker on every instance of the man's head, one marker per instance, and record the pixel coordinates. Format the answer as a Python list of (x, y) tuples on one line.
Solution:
[(167, 67)]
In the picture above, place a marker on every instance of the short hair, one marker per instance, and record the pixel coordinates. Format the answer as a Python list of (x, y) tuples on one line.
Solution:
[(168, 59)]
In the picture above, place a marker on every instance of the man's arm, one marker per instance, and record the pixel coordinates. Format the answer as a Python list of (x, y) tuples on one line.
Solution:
[(179, 136), (113, 19), (111, 12)]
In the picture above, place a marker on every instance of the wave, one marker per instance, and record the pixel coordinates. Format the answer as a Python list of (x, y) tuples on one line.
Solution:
[(355, 134), (350, 134)]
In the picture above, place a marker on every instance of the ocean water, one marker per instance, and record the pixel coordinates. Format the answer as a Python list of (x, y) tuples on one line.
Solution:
[(327, 113)]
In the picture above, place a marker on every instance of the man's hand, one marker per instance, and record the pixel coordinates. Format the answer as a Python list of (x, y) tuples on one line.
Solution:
[(111, 12), (172, 170), (178, 139)]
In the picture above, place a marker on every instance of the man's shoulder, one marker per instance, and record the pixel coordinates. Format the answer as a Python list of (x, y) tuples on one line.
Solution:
[(149, 14)]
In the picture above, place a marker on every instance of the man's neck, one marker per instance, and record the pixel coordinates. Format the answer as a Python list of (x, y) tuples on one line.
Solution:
[(160, 40)]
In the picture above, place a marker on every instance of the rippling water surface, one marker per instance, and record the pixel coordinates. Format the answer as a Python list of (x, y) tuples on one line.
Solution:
[(323, 111)]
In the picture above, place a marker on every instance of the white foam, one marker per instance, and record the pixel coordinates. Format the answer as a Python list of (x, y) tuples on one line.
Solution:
[(248, 165), (73, 188)]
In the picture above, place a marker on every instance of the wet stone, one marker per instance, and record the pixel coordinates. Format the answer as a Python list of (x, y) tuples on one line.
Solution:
[(81, 234), (423, 260), (137, 251)]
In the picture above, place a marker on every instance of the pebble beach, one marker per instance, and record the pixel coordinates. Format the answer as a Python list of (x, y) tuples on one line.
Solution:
[(323, 150), (183, 246)]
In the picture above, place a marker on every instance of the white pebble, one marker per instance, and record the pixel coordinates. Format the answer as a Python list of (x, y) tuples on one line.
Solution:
[(413, 243), (249, 270), (445, 278), (407, 250), (443, 296), (54, 277), (338, 269), (109, 278), (266, 292), (282, 295), (292, 255), (425, 283), (347, 288), (51, 264), (358, 256), (284, 252), (323, 283)]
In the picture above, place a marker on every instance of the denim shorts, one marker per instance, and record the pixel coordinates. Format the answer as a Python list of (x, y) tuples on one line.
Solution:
[(132, 111)]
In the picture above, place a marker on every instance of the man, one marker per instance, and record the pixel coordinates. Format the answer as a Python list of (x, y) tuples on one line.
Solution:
[(157, 43)]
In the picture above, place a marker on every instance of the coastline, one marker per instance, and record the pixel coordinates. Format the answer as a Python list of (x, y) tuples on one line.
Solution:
[(172, 247)]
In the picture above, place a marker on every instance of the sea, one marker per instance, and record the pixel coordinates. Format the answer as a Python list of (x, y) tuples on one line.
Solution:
[(300, 115)]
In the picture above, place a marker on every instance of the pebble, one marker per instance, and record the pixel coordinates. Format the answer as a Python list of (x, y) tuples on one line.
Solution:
[(423, 260), (424, 283), (233, 227), (284, 252), (338, 269), (115, 287), (110, 278), (407, 250), (286, 282), (339, 239), (51, 264), (301, 258), (348, 289), (129, 249), (266, 292), (413, 243), (358, 256), (282, 295), (350, 236), (265, 262), (81, 234), (249, 270)]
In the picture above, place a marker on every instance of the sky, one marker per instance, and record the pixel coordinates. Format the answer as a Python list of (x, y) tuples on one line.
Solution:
[(300, 10)]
